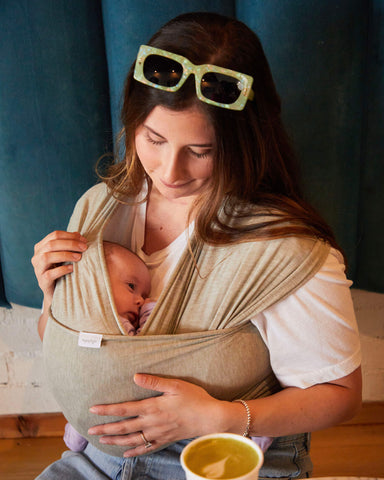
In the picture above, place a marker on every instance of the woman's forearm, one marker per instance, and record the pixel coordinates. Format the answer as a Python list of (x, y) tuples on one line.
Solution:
[(295, 410)]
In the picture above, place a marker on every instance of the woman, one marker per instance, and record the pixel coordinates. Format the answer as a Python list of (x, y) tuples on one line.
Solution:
[(209, 159)]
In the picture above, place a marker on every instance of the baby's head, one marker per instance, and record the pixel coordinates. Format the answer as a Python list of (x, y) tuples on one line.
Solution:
[(130, 281)]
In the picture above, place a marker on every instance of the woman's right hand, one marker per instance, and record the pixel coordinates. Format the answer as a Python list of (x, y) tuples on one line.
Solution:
[(50, 257)]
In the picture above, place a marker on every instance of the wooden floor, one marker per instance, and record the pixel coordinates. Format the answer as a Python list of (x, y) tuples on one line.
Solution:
[(29, 443)]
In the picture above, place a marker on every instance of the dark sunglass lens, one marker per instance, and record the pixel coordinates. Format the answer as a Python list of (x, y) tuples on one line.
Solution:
[(220, 88), (162, 71)]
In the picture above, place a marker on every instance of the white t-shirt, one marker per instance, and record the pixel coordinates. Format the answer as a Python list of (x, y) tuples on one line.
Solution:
[(311, 335)]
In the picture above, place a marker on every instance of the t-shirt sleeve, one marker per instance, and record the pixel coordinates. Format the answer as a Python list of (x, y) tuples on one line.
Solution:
[(312, 335)]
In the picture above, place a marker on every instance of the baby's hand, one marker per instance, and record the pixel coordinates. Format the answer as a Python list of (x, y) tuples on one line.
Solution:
[(145, 311)]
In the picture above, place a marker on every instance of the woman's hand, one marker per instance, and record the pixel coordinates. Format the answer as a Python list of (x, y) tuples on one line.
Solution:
[(49, 264), (183, 411), (50, 255), (186, 410)]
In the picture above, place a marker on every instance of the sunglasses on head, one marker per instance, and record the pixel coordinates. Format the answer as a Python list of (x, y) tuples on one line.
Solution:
[(214, 85)]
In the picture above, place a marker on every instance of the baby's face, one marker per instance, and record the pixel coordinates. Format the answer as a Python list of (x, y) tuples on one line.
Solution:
[(130, 282)]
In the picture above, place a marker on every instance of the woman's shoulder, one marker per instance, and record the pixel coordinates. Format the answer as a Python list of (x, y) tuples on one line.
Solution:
[(96, 195), (94, 200), (292, 227), (98, 190), (321, 309)]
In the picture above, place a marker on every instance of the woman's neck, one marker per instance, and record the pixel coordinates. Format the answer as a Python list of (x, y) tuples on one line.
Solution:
[(165, 221)]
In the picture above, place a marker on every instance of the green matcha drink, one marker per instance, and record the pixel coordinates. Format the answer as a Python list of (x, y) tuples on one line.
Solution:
[(222, 456)]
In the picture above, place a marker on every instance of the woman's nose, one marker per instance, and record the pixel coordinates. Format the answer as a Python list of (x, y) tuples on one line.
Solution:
[(172, 167)]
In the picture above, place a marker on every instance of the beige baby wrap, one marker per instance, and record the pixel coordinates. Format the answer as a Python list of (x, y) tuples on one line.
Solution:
[(199, 331)]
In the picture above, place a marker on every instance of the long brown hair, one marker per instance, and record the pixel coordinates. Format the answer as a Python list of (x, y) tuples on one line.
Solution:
[(255, 172)]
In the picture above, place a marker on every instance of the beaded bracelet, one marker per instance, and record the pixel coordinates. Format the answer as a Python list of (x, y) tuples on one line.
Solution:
[(246, 432)]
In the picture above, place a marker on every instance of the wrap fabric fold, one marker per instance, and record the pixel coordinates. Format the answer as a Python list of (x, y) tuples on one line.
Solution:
[(199, 331)]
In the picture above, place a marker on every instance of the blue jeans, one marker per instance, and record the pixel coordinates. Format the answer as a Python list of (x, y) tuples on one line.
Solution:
[(287, 457), (92, 464)]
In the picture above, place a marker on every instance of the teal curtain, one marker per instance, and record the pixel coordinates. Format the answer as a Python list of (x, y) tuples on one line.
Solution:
[(327, 60), (370, 216), (54, 124), (62, 69), (316, 50)]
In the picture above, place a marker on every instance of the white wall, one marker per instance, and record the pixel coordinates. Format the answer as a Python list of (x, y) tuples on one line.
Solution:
[(369, 309), (23, 389), (22, 385)]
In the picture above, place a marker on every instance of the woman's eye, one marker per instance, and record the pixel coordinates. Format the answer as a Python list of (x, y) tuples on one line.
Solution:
[(153, 141), (200, 154)]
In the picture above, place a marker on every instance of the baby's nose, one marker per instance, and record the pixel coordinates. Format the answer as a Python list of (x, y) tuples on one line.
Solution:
[(139, 300)]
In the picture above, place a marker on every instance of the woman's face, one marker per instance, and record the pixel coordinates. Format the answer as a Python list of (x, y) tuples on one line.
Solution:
[(176, 149)]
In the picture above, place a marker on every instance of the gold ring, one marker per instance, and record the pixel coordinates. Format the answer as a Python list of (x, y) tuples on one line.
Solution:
[(146, 443)]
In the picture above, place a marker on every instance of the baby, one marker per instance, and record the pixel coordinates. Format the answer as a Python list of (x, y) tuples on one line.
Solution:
[(130, 285)]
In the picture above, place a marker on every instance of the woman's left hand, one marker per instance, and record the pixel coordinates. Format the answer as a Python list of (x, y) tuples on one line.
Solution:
[(183, 411)]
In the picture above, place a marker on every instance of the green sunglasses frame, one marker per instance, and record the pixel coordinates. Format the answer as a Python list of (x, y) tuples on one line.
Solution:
[(198, 71)]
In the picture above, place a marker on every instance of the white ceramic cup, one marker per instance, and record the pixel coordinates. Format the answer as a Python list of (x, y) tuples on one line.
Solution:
[(219, 455)]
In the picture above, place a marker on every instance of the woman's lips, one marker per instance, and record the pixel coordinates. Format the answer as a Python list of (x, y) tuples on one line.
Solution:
[(175, 186)]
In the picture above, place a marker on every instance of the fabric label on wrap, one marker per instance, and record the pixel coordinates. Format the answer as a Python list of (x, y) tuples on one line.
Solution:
[(90, 340)]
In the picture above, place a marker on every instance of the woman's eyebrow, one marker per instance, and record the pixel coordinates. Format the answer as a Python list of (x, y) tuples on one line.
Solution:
[(200, 145), (153, 131)]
